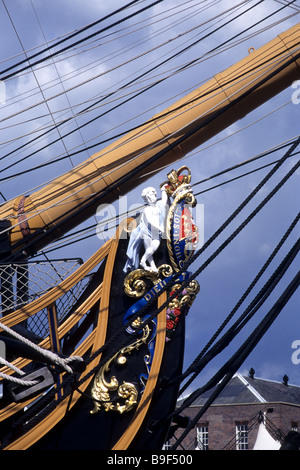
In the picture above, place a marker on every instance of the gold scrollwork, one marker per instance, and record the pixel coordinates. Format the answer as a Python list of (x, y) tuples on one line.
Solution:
[(135, 282), (103, 387), (191, 291), (165, 270)]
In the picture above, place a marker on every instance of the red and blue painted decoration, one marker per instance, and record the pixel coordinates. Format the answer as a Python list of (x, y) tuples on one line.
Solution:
[(184, 233)]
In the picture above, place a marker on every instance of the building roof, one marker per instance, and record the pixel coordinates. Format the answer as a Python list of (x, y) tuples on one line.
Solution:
[(244, 389)]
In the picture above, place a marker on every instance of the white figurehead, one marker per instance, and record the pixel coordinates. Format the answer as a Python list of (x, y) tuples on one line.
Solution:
[(149, 231)]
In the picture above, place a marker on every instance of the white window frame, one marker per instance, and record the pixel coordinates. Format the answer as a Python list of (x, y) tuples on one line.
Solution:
[(202, 437), (241, 435), (167, 445)]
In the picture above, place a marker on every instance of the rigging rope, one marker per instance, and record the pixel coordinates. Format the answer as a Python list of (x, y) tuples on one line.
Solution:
[(77, 42), (89, 122), (231, 366), (121, 88), (171, 72), (154, 48), (84, 206), (194, 366), (51, 356), (167, 113), (76, 235)]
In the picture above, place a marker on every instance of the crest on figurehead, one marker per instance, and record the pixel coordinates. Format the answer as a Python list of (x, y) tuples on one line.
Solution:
[(182, 232)]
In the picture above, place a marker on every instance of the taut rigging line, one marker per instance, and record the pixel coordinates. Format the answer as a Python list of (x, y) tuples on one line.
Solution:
[(118, 216), (77, 85), (50, 56), (86, 206), (123, 87), (199, 363), (231, 366)]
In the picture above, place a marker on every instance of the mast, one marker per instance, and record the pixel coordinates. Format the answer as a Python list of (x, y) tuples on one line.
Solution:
[(48, 213)]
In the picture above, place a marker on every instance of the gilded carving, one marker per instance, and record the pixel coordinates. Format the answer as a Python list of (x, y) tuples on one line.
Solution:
[(135, 282), (180, 302), (103, 387)]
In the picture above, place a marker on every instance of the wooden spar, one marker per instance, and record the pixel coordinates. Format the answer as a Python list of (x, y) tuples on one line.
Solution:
[(56, 208)]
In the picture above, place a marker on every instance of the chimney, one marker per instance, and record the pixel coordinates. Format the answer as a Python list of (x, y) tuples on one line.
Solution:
[(251, 373), (285, 380)]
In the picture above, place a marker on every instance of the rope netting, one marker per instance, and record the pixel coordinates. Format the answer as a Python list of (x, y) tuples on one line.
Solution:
[(21, 283)]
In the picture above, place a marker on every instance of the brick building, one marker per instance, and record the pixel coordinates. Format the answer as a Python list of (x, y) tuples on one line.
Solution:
[(250, 413)]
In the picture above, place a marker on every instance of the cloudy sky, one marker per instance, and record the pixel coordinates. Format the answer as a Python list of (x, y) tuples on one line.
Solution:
[(151, 48)]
